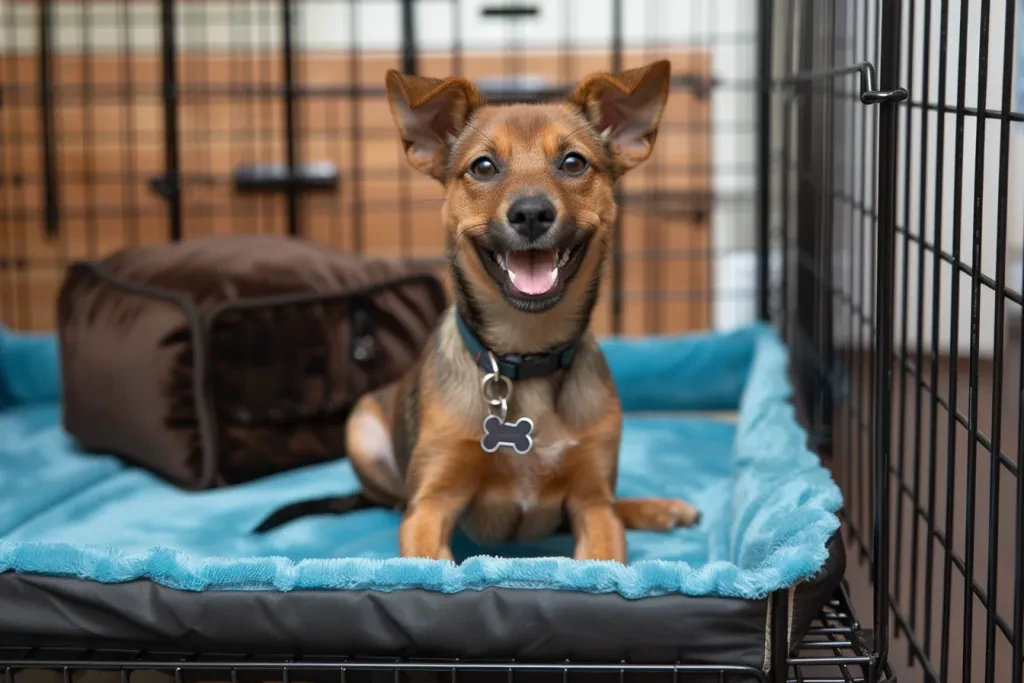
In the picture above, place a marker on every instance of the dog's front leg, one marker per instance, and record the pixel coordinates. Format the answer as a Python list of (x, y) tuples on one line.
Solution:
[(598, 530), (590, 501), (443, 480), (427, 528)]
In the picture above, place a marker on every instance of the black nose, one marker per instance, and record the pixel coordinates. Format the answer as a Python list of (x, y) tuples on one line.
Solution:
[(531, 217)]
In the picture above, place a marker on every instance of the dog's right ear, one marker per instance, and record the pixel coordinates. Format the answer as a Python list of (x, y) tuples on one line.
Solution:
[(430, 113), (626, 108)]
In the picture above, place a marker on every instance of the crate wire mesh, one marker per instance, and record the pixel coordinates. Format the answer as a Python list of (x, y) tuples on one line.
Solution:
[(835, 98), (790, 184), (140, 121), (924, 414), (959, 416)]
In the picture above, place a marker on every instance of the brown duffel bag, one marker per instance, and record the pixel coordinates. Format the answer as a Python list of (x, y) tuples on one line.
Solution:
[(219, 360)]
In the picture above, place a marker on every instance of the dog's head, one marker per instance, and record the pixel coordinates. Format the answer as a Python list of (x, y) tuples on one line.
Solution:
[(528, 187)]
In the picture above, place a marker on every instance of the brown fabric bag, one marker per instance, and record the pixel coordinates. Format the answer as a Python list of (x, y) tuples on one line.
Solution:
[(216, 361)]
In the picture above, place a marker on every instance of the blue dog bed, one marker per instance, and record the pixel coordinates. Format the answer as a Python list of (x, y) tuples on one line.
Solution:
[(91, 531)]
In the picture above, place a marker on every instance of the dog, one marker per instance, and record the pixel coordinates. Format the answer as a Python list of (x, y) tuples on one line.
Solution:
[(509, 424)]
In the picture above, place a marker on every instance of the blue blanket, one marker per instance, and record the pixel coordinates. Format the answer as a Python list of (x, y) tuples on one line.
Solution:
[(768, 504)]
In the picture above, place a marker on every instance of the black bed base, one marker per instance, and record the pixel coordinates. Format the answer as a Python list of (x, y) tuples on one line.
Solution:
[(834, 650), (496, 635)]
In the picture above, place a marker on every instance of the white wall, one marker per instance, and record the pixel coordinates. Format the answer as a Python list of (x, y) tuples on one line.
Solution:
[(325, 25)]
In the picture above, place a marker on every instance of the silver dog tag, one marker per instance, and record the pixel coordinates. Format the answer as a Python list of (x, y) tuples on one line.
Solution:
[(517, 435)]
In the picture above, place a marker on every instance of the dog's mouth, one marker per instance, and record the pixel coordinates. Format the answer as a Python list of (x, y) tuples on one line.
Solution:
[(533, 279)]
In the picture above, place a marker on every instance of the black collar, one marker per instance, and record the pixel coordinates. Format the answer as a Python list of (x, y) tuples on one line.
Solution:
[(517, 366)]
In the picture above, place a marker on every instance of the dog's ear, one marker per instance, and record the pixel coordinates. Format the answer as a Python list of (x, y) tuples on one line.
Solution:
[(626, 108), (430, 113)]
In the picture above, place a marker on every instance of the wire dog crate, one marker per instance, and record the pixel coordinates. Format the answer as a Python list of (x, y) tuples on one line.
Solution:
[(842, 169)]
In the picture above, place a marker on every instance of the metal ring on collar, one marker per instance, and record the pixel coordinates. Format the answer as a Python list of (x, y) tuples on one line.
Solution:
[(492, 380)]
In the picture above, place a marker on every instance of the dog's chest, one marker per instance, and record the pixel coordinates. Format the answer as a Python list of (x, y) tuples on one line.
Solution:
[(551, 439), (520, 499), (521, 496)]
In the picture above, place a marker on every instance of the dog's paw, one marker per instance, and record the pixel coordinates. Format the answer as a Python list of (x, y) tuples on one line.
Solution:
[(679, 513), (657, 514), (606, 555), (442, 553)]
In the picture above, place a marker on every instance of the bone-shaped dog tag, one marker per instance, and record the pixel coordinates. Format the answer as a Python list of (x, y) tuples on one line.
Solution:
[(497, 433)]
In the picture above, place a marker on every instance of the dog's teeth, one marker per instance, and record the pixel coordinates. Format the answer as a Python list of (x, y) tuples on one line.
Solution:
[(502, 262)]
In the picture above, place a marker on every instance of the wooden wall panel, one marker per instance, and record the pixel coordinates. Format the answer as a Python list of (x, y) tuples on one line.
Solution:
[(109, 123)]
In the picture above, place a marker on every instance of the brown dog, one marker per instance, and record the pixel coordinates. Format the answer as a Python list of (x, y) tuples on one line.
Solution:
[(530, 209)]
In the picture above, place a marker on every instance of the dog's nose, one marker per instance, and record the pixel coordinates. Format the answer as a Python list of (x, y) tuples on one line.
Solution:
[(531, 217)]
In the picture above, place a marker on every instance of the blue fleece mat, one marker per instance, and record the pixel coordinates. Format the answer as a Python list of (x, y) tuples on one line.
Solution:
[(768, 504)]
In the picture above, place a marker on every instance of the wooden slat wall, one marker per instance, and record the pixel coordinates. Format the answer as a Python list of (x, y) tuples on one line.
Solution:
[(110, 143)]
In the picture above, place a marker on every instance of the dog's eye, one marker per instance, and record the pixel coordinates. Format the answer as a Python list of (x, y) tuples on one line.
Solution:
[(573, 164), (483, 169)]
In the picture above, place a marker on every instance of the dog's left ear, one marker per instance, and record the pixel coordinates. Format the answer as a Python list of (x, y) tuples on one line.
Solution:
[(430, 113), (626, 108)]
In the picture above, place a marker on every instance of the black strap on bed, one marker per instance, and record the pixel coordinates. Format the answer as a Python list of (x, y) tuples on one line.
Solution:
[(322, 506)]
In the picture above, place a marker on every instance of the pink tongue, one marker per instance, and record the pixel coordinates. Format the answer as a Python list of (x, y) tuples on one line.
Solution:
[(532, 272)]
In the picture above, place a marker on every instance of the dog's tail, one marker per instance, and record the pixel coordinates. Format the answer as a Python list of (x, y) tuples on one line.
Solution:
[(323, 506)]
